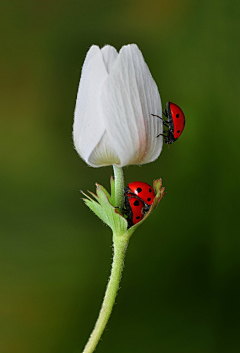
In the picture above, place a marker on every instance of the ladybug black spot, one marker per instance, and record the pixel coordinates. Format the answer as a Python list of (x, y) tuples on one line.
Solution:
[(136, 203), (137, 217), (177, 115), (178, 131), (150, 190), (149, 199), (138, 190)]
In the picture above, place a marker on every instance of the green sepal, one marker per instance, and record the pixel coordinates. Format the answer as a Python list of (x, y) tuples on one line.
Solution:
[(101, 205)]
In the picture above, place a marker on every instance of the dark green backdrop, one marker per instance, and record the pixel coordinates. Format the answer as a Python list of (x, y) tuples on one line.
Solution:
[(180, 288)]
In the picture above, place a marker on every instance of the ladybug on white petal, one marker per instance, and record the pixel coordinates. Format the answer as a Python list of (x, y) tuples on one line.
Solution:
[(175, 122)]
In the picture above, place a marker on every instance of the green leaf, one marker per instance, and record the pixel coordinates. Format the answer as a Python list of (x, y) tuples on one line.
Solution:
[(103, 208)]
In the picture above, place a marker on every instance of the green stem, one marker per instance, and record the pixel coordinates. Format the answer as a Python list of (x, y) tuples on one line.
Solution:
[(120, 244), (119, 186)]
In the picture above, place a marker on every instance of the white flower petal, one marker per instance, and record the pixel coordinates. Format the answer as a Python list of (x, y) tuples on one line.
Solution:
[(103, 154), (110, 55), (88, 125), (129, 97), (151, 104), (116, 97)]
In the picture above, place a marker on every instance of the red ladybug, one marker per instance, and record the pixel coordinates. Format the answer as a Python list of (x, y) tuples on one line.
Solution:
[(175, 122), (143, 191), (134, 209)]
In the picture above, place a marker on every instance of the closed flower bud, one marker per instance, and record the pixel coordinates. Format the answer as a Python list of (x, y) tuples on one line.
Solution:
[(116, 97)]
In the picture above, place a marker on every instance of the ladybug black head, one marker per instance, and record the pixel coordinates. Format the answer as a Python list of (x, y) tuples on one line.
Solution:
[(169, 139)]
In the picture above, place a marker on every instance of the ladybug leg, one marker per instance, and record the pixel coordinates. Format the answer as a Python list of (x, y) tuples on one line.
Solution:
[(165, 131), (161, 135), (160, 118), (145, 209)]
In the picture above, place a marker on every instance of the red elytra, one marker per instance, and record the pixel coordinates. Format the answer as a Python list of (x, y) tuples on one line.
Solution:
[(135, 214), (175, 122), (176, 119), (142, 190)]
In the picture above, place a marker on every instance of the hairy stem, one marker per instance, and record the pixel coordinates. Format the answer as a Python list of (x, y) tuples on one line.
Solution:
[(119, 186), (120, 244)]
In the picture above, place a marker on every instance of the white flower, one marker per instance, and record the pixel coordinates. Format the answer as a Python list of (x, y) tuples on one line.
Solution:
[(116, 97)]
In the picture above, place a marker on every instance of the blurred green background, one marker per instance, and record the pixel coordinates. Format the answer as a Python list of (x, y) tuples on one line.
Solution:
[(180, 288)]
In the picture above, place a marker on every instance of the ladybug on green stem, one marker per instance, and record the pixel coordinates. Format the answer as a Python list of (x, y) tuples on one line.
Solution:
[(134, 209), (139, 197)]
